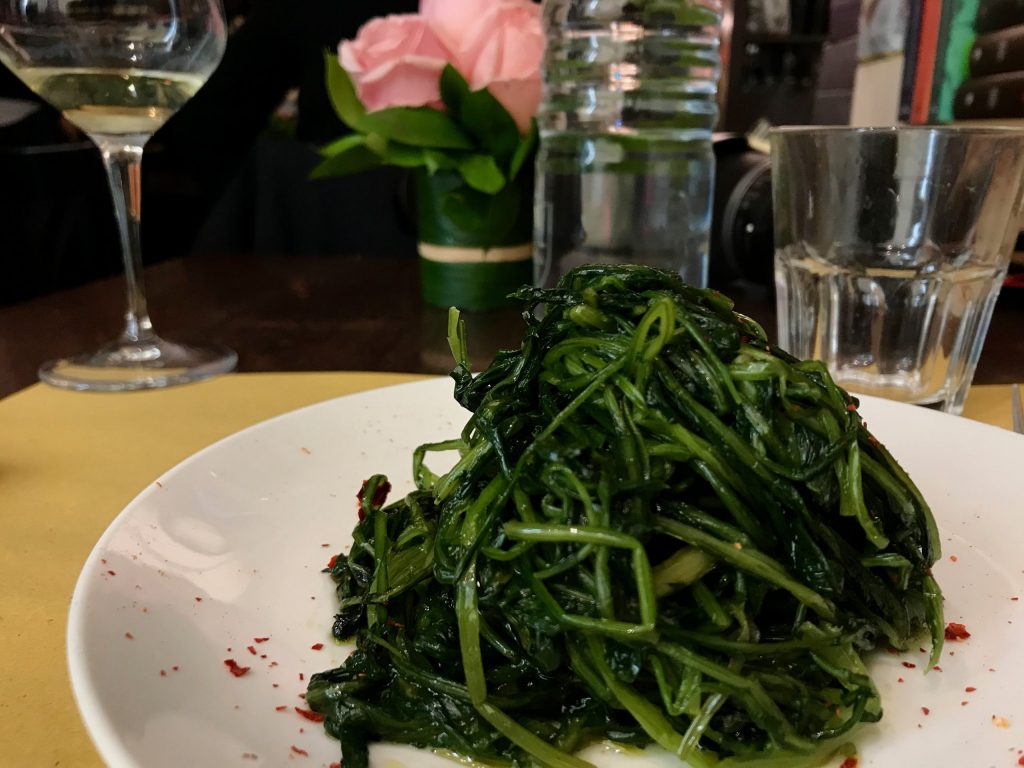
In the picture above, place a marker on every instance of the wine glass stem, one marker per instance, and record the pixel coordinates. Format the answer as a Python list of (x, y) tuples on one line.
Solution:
[(124, 172)]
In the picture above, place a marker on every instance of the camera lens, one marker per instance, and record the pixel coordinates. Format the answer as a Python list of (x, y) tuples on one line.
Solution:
[(742, 233)]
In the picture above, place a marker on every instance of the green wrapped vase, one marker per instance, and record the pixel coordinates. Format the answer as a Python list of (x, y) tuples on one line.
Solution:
[(475, 248)]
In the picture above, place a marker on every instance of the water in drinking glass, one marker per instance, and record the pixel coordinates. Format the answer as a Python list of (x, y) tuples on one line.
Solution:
[(119, 69), (891, 246), (903, 325)]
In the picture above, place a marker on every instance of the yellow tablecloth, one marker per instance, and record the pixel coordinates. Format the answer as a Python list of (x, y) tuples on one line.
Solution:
[(70, 462)]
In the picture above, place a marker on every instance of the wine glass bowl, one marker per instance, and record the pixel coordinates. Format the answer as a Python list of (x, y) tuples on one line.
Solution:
[(118, 69)]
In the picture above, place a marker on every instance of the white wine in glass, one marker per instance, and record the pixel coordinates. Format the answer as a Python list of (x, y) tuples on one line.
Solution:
[(118, 69)]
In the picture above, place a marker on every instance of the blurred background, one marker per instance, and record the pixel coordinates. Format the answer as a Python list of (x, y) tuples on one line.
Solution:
[(228, 174)]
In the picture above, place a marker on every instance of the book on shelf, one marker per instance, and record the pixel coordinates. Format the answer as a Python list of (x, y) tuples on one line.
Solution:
[(910, 60), (924, 70), (999, 14), (998, 52), (956, 36), (995, 96), (940, 37)]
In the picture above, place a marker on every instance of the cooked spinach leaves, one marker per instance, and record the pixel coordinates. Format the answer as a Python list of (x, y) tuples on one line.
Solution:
[(660, 529)]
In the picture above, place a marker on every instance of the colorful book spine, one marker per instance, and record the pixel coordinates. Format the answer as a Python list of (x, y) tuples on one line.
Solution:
[(994, 15), (910, 61), (998, 52), (995, 96), (931, 19), (956, 38)]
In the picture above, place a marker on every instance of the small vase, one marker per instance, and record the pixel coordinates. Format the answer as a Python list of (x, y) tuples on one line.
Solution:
[(475, 249)]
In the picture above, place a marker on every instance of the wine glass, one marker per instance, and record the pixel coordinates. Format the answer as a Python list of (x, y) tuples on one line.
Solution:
[(118, 69)]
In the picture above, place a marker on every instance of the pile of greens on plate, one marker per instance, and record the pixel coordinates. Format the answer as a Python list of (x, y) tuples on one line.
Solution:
[(660, 530)]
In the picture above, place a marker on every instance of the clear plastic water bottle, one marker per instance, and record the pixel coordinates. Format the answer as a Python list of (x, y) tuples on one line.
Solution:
[(625, 167)]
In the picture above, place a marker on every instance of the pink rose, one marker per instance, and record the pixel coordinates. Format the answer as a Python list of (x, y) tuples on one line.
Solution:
[(395, 61), (498, 45)]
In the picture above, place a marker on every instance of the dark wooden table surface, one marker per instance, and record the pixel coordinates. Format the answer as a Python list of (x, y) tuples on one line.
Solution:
[(318, 314)]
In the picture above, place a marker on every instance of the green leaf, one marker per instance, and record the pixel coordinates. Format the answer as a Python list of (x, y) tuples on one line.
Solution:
[(482, 117), (440, 161), (461, 208), (342, 92), (405, 156), (342, 145), (346, 156), (454, 89), (481, 172), (377, 144), (503, 213), (418, 126), (524, 151)]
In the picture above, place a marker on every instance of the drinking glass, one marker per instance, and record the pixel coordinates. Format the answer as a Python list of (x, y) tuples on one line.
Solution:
[(891, 245), (118, 69)]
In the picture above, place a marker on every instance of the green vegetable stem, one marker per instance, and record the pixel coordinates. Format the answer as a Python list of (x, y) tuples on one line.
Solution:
[(660, 530)]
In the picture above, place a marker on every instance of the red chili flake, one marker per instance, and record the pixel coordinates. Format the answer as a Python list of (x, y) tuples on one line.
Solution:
[(851, 407), (301, 676), (273, 663), (893, 651), (302, 730), (274, 685), (103, 560), (229, 649), (953, 558), (159, 484), (316, 646), (1015, 599), (260, 639), (251, 649), (302, 696), (850, 762), (874, 440), (199, 599), (392, 623), (281, 708), (922, 650), (305, 451), (899, 679), (175, 668), (163, 673), (956, 631), (316, 717), (334, 765), (129, 636), (909, 664), (235, 668), (380, 495), (1020, 761), (263, 655), (112, 573), (332, 561), (963, 703), (970, 689), (925, 710), (298, 751), (937, 668)]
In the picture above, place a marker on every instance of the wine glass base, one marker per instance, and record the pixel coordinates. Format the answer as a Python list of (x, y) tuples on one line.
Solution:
[(150, 363)]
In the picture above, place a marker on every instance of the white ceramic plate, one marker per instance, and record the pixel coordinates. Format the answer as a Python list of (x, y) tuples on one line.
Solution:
[(228, 547)]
